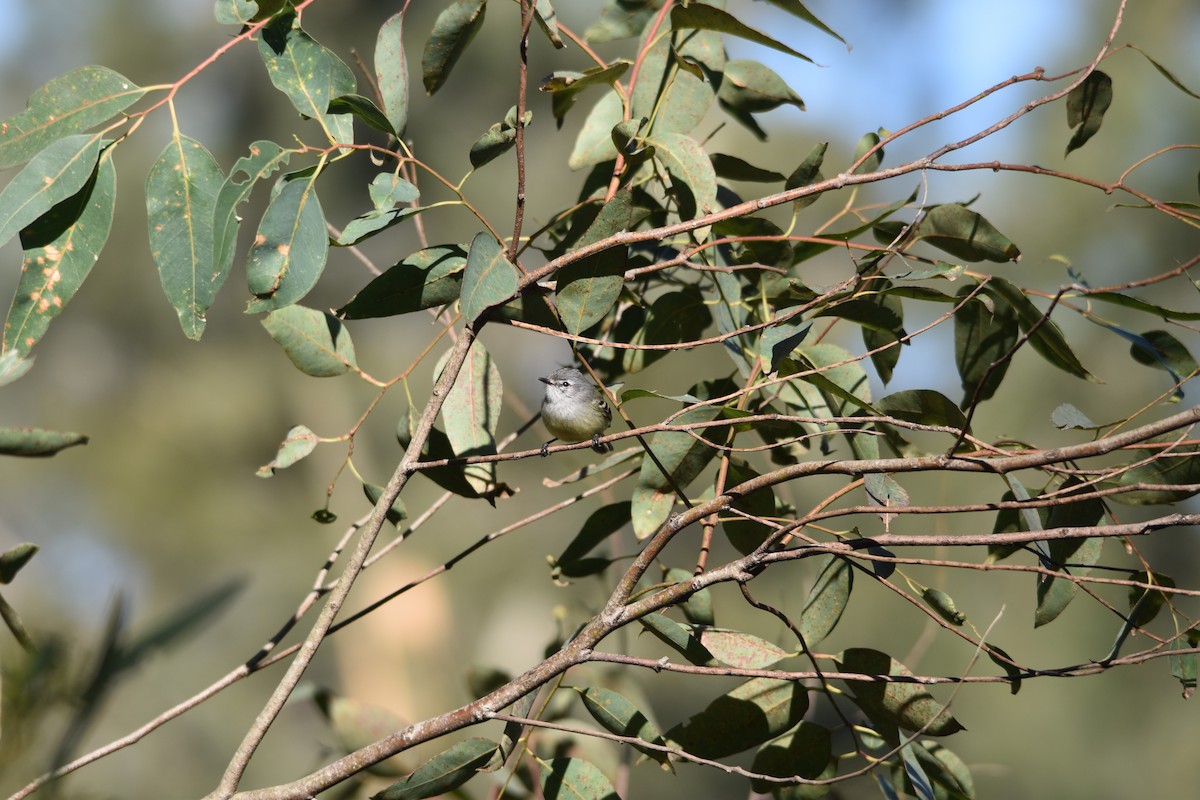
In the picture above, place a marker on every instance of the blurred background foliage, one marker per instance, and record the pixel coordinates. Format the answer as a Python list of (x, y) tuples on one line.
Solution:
[(163, 504)]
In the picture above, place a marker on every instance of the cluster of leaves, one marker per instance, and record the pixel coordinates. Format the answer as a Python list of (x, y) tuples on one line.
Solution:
[(659, 253)]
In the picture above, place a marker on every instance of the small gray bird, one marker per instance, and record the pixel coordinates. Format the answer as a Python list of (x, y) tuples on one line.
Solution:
[(574, 409)]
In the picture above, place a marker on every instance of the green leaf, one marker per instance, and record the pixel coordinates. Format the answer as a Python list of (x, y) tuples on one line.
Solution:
[(444, 772), (298, 443), (922, 406), (575, 779), (733, 168), (597, 528), (391, 71), (12, 364), (621, 19), (1066, 416), (907, 705), (806, 752), (426, 279), (984, 332), (453, 30), (53, 271), (234, 12), (396, 511), (489, 279), (617, 714), (1047, 340), (797, 9), (739, 649), (35, 442), (309, 73), (1071, 557), (868, 141), (264, 159), (683, 457), (373, 222), (688, 164), (588, 289), (754, 712), (1163, 351), (14, 559), (181, 196), (705, 17), (808, 173), (547, 20), (290, 248), (1086, 105), (316, 341), (565, 87), (751, 87), (54, 175), (1183, 665), (594, 144), (826, 601), (1141, 305), (675, 98), (69, 104), (698, 608), (673, 318), (498, 139), (964, 234), (1178, 466), (744, 533), (471, 413), (885, 492), (362, 107), (682, 638)]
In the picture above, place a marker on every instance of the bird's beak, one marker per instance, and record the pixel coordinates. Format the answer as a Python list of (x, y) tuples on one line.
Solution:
[(546, 381)]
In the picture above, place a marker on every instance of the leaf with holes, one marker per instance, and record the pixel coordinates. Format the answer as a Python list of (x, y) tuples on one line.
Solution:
[(53, 271), (69, 104)]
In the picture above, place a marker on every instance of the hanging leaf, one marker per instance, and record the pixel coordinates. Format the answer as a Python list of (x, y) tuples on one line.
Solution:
[(673, 318), (1086, 104), (181, 196), (688, 165), (705, 17), (588, 289), (54, 269), (1047, 340), (471, 413), (754, 712), (498, 139), (617, 714), (298, 443), (683, 457), (808, 173), (575, 779), (806, 752), (35, 442), (1073, 558), (309, 73), (69, 104), (594, 144), (391, 71), (444, 772), (749, 87), (907, 705), (868, 141), (922, 406), (826, 600), (984, 332), (565, 87), (489, 279), (364, 109), (576, 560), (290, 248), (681, 638), (54, 175), (453, 30), (264, 159), (964, 234), (426, 279), (315, 341), (674, 96)]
